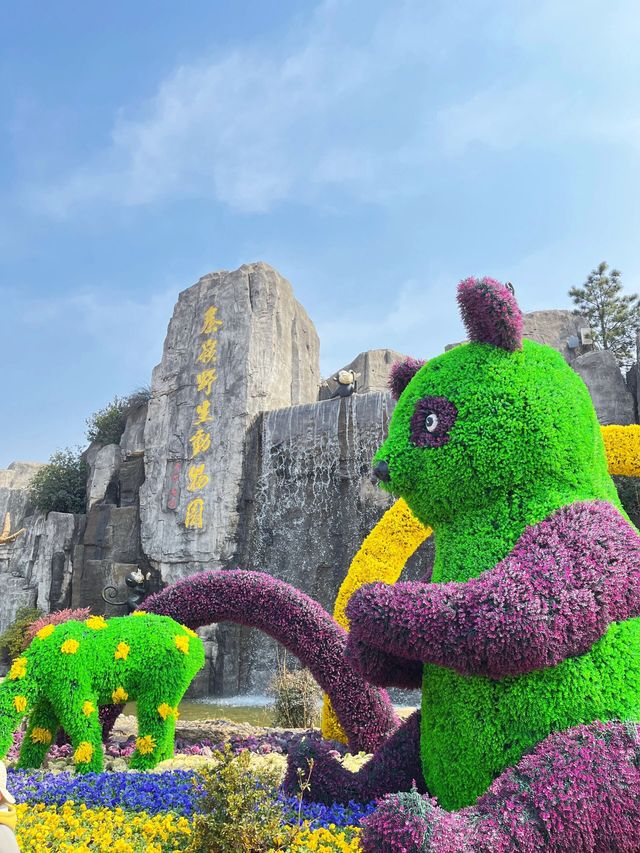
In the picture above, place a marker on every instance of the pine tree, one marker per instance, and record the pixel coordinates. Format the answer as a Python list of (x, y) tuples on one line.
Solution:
[(614, 317)]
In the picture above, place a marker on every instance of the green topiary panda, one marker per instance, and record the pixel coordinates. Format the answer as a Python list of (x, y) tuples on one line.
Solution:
[(528, 627)]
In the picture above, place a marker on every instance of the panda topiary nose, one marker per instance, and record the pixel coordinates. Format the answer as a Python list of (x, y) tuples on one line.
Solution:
[(381, 471)]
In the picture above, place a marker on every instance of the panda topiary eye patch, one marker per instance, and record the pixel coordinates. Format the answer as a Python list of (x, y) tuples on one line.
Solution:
[(431, 421)]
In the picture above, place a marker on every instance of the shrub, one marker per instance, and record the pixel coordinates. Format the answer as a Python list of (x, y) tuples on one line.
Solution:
[(296, 697), (107, 425), (240, 808), (56, 618), (14, 639), (61, 485)]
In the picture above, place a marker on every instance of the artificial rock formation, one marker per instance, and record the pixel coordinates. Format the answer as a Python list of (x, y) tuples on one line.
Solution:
[(262, 354), (611, 398), (372, 369)]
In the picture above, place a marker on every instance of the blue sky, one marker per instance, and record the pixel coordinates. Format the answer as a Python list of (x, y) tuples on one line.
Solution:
[(373, 152)]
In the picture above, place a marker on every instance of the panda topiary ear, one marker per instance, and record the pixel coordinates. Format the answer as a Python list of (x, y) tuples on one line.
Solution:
[(401, 373), (490, 313)]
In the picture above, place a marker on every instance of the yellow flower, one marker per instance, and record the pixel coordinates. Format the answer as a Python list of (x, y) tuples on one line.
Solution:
[(88, 708), (166, 710), (45, 632), (145, 745), (622, 445), (96, 623), (189, 631), (20, 704), (69, 647), (182, 643), (122, 652), (119, 695), (40, 735), (84, 753), (18, 669), (138, 613)]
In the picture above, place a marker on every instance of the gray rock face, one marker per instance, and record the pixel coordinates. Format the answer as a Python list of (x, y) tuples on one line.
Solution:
[(14, 492), (103, 473), (613, 402), (132, 441), (238, 344), (555, 329), (308, 503), (37, 569), (373, 367)]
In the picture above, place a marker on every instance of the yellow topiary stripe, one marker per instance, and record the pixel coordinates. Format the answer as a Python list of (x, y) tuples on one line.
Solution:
[(381, 557), (399, 534)]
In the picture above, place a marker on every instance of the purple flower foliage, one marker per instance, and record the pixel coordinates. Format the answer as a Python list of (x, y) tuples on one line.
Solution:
[(401, 373), (383, 669), (565, 581), (576, 792), (394, 766), (300, 624), (443, 411), (490, 313)]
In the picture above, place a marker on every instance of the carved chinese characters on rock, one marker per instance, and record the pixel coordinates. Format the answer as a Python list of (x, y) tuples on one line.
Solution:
[(174, 485), (200, 438)]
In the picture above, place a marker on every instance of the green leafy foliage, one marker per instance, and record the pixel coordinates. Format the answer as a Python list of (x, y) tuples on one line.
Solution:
[(296, 698), (241, 812), (15, 637), (61, 485), (614, 317), (107, 425)]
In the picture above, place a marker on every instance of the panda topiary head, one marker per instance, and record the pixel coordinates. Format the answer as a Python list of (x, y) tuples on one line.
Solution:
[(494, 419)]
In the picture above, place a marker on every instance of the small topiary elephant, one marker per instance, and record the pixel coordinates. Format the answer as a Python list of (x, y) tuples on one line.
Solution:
[(70, 670)]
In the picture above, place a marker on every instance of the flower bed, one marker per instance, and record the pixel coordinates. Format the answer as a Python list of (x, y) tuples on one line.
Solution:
[(72, 827), (124, 811)]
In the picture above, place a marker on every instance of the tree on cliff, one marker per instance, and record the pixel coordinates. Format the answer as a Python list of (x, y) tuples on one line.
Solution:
[(614, 317), (61, 485), (107, 425)]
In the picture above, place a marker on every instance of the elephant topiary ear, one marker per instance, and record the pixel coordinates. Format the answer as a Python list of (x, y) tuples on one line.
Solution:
[(402, 372), (490, 313)]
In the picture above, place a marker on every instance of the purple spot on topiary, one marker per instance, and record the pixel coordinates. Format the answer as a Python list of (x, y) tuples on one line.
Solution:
[(490, 313), (402, 372), (432, 421)]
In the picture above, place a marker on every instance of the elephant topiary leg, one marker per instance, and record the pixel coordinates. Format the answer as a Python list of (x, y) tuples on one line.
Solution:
[(156, 730), (577, 792), (41, 732), (394, 766), (85, 733)]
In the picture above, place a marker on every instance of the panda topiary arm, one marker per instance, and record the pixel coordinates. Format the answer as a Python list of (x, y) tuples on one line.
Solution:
[(567, 579), (383, 669)]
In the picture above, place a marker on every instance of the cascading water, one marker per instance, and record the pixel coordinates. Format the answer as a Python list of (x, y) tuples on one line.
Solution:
[(312, 505)]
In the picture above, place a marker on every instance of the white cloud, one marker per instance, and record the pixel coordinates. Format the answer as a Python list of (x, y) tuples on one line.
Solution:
[(363, 98)]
